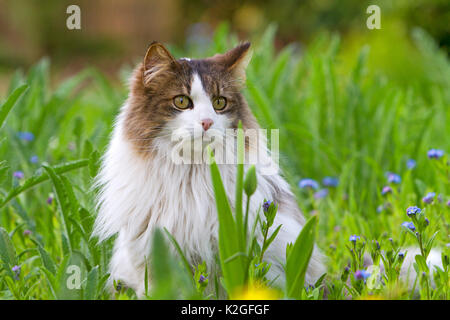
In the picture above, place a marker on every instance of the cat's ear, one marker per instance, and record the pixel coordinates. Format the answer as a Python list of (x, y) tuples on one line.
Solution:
[(157, 60), (236, 60)]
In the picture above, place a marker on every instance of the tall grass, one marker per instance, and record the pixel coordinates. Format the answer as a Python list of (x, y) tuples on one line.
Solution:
[(352, 124)]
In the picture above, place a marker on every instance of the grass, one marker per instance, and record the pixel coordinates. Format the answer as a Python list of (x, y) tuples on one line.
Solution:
[(353, 124)]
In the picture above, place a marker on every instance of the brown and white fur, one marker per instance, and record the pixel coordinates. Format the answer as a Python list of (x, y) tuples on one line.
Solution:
[(141, 188)]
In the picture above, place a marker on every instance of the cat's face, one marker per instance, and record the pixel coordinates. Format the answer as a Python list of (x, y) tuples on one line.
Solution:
[(198, 96)]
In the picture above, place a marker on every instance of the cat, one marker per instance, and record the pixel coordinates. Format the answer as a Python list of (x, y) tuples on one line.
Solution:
[(142, 188)]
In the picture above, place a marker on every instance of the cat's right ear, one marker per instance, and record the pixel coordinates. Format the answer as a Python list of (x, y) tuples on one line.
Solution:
[(157, 60)]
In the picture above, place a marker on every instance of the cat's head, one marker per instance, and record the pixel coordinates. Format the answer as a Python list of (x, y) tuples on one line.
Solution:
[(197, 95)]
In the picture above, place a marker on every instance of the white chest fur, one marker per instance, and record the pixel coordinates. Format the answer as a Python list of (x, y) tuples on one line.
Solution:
[(137, 195)]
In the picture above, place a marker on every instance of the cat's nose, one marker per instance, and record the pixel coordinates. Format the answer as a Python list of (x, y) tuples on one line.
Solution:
[(207, 123)]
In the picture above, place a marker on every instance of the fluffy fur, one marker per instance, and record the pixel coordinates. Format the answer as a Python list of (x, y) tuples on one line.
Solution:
[(141, 188)]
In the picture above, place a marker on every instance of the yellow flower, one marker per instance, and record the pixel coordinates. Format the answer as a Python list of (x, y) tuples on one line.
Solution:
[(372, 297), (256, 292)]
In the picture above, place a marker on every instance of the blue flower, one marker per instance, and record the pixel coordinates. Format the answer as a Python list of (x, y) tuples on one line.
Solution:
[(386, 190), (362, 274), (308, 183), (18, 175), (435, 153), (34, 159), (330, 182), (321, 194), (380, 208), (429, 197), (266, 205), (411, 164), (26, 136), (448, 203), (201, 279), (412, 211), (354, 238), (309, 287), (401, 255), (393, 178), (16, 270), (409, 225)]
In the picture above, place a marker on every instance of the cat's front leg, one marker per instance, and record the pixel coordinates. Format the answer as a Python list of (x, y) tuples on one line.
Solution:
[(126, 267)]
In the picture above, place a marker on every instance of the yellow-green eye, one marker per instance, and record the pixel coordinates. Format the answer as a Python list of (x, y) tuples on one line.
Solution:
[(182, 102), (219, 103)]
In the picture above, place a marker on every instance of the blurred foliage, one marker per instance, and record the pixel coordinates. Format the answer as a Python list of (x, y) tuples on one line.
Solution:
[(111, 35)]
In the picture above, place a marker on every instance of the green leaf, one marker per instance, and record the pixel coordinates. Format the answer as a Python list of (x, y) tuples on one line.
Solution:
[(10, 102), (186, 264), (63, 202), (7, 251), (430, 242), (271, 238), (420, 260), (234, 271), (41, 176), (91, 284), (46, 259), (297, 261), (94, 163)]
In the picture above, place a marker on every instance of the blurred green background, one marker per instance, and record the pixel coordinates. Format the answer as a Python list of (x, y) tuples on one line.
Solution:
[(115, 32)]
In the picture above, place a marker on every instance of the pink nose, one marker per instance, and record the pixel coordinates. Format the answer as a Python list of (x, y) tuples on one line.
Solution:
[(207, 123)]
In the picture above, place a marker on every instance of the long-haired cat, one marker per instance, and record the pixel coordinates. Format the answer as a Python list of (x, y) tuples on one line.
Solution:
[(141, 187)]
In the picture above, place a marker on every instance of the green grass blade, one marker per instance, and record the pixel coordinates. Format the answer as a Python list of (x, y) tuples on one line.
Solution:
[(297, 261), (7, 251), (10, 102), (42, 176)]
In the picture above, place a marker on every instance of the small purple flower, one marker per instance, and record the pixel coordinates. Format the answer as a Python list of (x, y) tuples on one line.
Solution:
[(18, 175), (16, 270), (409, 225), (448, 203), (435, 154), (26, 136), (330, 182), (34, 159), (50, 200), (386, 190), (401, 255), (393, 178), (321, 194), (380, 208), (427, 222), (362, 274), (266, 205), (411, 164), (26, 232), (377, 244), (201, 279), (309, 288), (412, 211), (308, 183), (354, 238), (429, 197)]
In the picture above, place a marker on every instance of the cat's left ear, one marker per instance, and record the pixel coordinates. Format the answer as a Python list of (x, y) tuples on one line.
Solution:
[(237, 59)]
